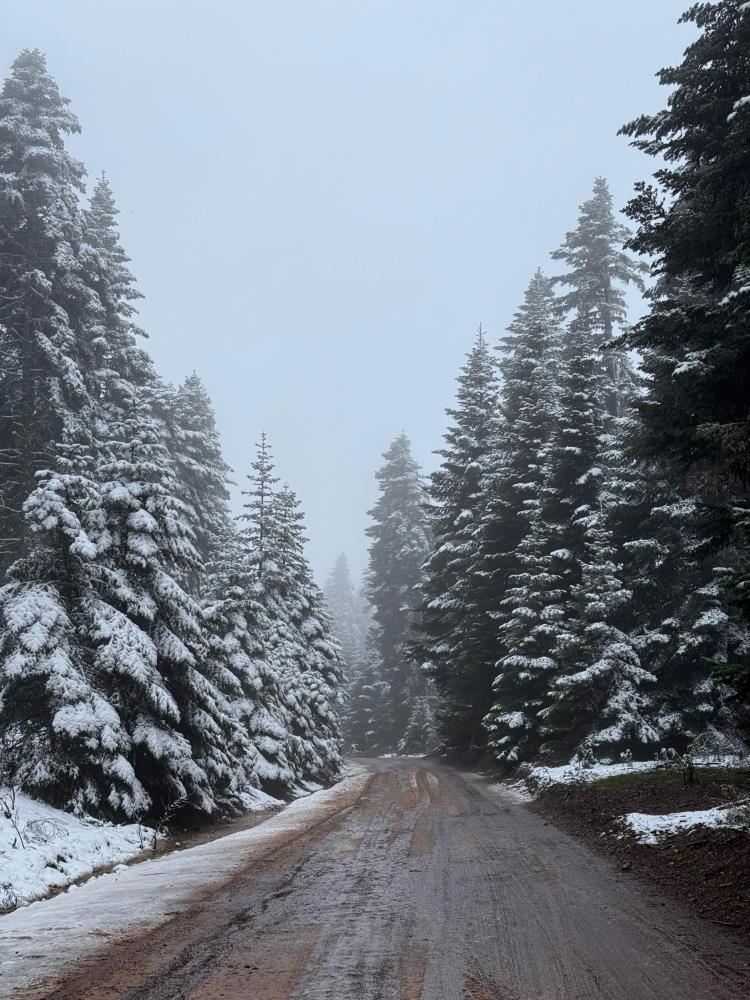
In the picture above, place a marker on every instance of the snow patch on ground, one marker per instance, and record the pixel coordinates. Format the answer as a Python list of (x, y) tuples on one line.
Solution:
[(43, 849), (570, 774), (651, 829), (574, 774), (513, 791)]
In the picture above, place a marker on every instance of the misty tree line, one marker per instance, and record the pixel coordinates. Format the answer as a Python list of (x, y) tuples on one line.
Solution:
[(586, 585), (153, 650)]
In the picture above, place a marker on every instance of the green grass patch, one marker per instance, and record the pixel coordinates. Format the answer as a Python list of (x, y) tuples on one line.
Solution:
[(671, 778)]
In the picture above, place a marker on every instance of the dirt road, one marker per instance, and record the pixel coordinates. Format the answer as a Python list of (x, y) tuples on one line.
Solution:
[(432, 886)]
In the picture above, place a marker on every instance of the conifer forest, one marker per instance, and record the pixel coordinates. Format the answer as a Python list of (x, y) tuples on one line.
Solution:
[(497, 749)]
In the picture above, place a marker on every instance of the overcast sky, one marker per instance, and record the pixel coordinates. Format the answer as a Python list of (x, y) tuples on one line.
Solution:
[(323, 198)]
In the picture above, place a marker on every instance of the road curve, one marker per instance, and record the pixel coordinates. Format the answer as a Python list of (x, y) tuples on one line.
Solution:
[(432, 886)]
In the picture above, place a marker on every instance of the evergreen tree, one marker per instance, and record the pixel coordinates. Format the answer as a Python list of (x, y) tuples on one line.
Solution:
[(420, 734), (297, 639), (568, 672), (74, 749), (530, 359), (171, 692), (453, 614), (43, 399), (312, 677), (680, 623), (341, 600), (117, 362), (202, 474), (597, 699), (237, 624), (400, 544), (599, 273), (367, 704), (535, 608), (695, 223)]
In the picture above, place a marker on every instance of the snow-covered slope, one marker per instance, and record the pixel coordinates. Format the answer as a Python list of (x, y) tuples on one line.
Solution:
[(42, 848), (77, 924)]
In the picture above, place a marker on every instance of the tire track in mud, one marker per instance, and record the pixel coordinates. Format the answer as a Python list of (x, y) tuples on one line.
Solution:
[(432, 886)]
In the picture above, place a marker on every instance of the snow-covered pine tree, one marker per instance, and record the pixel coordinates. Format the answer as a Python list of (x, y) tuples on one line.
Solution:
[(202, 474), (312, 675), (680, 623), (44, 301), (400, 544), (535, 608), (74, 749), (530, 357), (592, 671), (599, 273), (341, 600), (297, 638), (596, 698), (453, 613), (421, 733), (258, 520), (51, 322), (174, 696), (112, 333), (693, 220), (367, 701), (236, 622)]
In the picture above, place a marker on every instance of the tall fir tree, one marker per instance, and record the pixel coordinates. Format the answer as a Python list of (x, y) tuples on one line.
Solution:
[(453, 614), (694, 221), (237, 624), (599, 273), (313, 684), (342, 602), (188, 743), (297, 638), (367, 703), (400, 544), (202, 474), (569, 673), (44, 404), (529, 362), (71, 745), (536, 605)]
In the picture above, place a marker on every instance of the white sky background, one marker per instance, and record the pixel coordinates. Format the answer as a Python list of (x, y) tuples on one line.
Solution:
[(323, 198)]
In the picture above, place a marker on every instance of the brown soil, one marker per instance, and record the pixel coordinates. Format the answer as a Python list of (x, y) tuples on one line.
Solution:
[(707, 869)]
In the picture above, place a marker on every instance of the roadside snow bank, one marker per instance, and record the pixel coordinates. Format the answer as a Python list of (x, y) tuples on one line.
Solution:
[(42, 848), (40, 940), (574, 774), (651, 829)]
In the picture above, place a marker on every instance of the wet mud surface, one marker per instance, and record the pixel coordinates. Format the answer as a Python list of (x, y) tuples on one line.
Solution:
[(432, 886)]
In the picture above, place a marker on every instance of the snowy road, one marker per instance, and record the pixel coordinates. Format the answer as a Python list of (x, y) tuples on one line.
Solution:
[(419, 883)]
